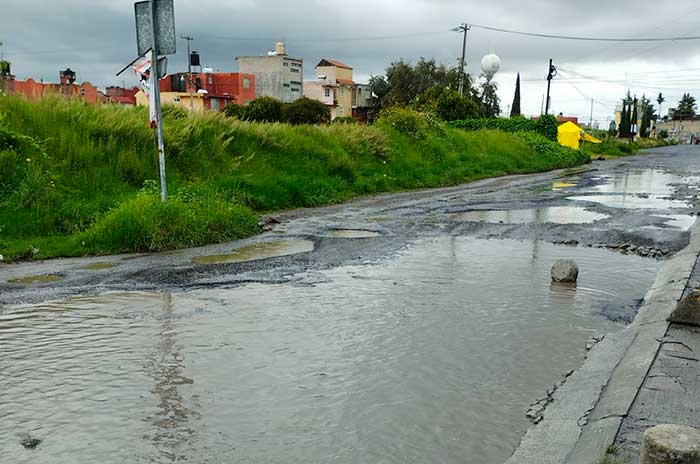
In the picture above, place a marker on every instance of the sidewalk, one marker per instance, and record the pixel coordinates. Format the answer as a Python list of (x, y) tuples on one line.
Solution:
[(623, 386)]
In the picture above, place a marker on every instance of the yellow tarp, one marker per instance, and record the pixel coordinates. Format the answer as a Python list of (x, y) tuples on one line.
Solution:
[(571, 135)]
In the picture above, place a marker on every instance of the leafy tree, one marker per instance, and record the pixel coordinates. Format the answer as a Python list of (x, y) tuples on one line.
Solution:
[(234, 110), (625, 129), (307, 111), (265, 109), (687, 107), (515, 109), (447, 104), (404, 83), (648, 115), (490, 103)]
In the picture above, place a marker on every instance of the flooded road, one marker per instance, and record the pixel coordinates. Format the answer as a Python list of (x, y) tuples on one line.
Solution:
[(408, 328), (429, 357)]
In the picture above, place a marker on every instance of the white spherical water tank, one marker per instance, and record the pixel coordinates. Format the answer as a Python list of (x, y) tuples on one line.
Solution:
[(490, 65)]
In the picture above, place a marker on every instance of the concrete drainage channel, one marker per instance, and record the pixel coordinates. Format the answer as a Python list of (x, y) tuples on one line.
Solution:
[(585, 413)]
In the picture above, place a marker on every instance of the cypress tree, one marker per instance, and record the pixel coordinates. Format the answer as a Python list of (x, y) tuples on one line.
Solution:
[(515, 110)]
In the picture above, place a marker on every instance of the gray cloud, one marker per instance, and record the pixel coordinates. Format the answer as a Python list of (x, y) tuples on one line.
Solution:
[(97, 38)]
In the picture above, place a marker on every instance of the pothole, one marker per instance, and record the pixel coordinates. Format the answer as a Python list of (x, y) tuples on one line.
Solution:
[(553, 215), (98, 266), (258, 251), (632, 201), (36, 279), (353, 233)]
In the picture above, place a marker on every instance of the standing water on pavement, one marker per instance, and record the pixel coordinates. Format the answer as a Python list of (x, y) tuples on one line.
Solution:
[(432, 356)]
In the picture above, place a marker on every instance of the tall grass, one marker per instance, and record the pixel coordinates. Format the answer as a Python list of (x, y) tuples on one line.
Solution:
[(76, 172)]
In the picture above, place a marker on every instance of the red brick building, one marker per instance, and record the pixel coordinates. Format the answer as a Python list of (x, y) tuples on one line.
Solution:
[(216, 89), (67, 88)]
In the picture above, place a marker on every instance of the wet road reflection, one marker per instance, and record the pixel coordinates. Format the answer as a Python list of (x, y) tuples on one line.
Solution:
[(432, 356)]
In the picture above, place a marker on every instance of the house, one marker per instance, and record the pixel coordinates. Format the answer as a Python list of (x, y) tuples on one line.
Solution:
[(336, 88), (121, 96), (277, 74), (205, 90), (67, 87)]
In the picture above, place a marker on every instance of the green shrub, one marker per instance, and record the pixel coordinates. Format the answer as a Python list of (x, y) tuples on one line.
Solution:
[(564, 156), (345, 120), (547, 126), (234, 110), (406, 121), (307, 111), (265, 109), (447, 104), (145, 224), (663, 134), (506, 125)]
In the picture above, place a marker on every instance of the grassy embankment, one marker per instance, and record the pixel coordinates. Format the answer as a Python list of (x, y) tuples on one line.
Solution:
[(78, 180), (617, 148)]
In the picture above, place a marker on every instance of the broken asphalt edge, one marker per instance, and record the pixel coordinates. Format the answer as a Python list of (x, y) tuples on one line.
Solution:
[(585, 414)]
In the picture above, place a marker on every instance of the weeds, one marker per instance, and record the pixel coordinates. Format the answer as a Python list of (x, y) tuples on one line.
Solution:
[(71, 175)]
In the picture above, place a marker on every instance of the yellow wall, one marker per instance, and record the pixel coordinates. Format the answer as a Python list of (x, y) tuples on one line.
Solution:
[(172, 98)]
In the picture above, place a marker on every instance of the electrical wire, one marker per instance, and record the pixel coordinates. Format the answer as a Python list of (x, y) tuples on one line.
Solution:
[(588, 39)]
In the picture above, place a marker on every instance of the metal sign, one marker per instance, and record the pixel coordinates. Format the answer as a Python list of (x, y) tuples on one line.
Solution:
[(164, 26)]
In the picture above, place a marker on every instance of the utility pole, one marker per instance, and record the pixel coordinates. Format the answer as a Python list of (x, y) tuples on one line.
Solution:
[(552, 72), (189, 69), (155, 89), (464, 28), (591, 122)]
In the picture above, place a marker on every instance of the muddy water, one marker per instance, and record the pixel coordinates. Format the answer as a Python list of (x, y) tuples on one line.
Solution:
[(353, 233), (554, 215), (257, 251), (432, 356)]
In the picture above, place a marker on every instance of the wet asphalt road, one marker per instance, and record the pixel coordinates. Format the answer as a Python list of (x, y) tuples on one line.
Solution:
[(643, 202)]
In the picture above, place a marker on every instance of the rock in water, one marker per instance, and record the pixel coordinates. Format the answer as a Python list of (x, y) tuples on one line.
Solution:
[(688, 310), (666, 444), (29, 441), (564, 270)]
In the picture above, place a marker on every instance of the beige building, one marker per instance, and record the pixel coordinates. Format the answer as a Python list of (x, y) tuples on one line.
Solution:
[(335, 87), (681, 130), (277, 74)]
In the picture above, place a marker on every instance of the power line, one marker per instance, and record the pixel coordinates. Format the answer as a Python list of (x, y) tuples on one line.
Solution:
[(587, 39)]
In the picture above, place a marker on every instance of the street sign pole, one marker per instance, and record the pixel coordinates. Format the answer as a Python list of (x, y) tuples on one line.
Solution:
[(155, 88)]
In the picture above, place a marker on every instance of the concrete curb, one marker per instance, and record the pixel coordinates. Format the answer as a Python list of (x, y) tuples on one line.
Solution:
[(586, 413)]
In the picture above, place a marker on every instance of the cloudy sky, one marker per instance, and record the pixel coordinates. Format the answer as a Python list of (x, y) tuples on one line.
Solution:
[(96, 38)]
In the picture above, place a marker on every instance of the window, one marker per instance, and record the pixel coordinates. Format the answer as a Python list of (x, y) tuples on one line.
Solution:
[(246, 83), (359, 90), (294, 70), (296, 65), (285, 85), (286, 64), (296, 82), (294, 89), (328, 92), (342, 91)]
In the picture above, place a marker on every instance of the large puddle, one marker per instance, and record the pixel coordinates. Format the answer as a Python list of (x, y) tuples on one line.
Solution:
[(553, 215), (263, 250), (645, 189), (433, 356)]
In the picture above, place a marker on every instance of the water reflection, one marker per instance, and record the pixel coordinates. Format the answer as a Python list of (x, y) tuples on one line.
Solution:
[(432, 356), (257, 251), (172, 435), (554, 215)]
